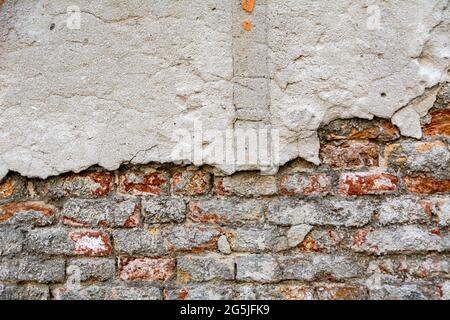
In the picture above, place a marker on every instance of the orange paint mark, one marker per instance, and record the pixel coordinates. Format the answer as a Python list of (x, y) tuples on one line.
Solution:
[(248, 5), (247, 25)]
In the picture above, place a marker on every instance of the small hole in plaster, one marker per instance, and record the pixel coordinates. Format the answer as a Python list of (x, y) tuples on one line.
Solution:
[(214, 9), (383, 94), (52, 26)]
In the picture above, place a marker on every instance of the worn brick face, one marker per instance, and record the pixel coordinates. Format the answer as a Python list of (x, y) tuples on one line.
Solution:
[(439, 124), (91, 243), (119, 212), (91, 184), (190, 183), (419, 156), (359, 129), (350, 155), (426, 184), (352, 228), (307, 185), (366, 183), (33, 212)]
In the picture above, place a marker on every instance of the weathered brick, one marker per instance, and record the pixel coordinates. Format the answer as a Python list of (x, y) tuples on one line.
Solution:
[(89, 269), (398, 267), (34, 213), (195, 238), (91, 243), (200, 292), (439, 124), (144, 181), (419, 156), (118, 212), (163, 210), (342, 292), (60, 241), (360, 129), (258, 239), (190, 183), (350, 155), (205, 268), (246, 184), (397, 239), (258, 268), (404, 210), (317, 267), (305, 184), (11, 241), (407, 291), (32, 268), (367, 183), (146, 269), (24, 292), (226, 211), (273, 292), (108, 292), (328, 240), (89, 184), (326, 212), (148, 242), (426, 185), (441, 208)]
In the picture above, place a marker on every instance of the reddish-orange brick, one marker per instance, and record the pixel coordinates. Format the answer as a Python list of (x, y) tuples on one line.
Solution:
[(426, 185)]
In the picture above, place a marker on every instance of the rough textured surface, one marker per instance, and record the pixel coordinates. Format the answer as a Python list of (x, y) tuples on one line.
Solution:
[(352, 228), (119, 85)]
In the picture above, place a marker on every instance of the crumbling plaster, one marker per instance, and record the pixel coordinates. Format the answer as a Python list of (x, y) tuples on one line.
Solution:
[(115, 90)]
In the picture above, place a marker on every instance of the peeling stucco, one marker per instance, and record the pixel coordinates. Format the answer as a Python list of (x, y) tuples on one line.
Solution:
[(115, 90)]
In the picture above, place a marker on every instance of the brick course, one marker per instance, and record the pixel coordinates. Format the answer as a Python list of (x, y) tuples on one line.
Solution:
[(371, 222)]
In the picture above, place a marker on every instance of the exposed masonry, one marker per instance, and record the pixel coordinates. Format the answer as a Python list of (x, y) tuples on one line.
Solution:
[(116, 90), (371, 222)]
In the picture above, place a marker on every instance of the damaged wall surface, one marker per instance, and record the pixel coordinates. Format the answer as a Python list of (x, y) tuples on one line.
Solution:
[(113, 86)]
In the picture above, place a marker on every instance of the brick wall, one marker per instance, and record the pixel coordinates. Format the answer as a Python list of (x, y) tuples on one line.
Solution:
[(372, 222)]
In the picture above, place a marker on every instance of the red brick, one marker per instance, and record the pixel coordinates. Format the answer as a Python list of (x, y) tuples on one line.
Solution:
[(350, 155), (190, 183), (40, 212), (300, 184), (146, 269), (91, 243), (144, 181), (90, 184), (439, 125), (366, 183), (426, 185)]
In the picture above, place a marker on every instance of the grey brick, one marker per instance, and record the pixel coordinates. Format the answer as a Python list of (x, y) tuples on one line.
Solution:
[(147, 242), (258, 268), (226, 211), (118, 212), (206, 268)]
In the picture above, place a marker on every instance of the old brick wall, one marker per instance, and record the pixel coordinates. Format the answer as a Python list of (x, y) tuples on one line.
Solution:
[(371, 222)]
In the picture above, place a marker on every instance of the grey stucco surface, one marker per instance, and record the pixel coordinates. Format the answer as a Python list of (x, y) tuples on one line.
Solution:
[(116, 90)]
